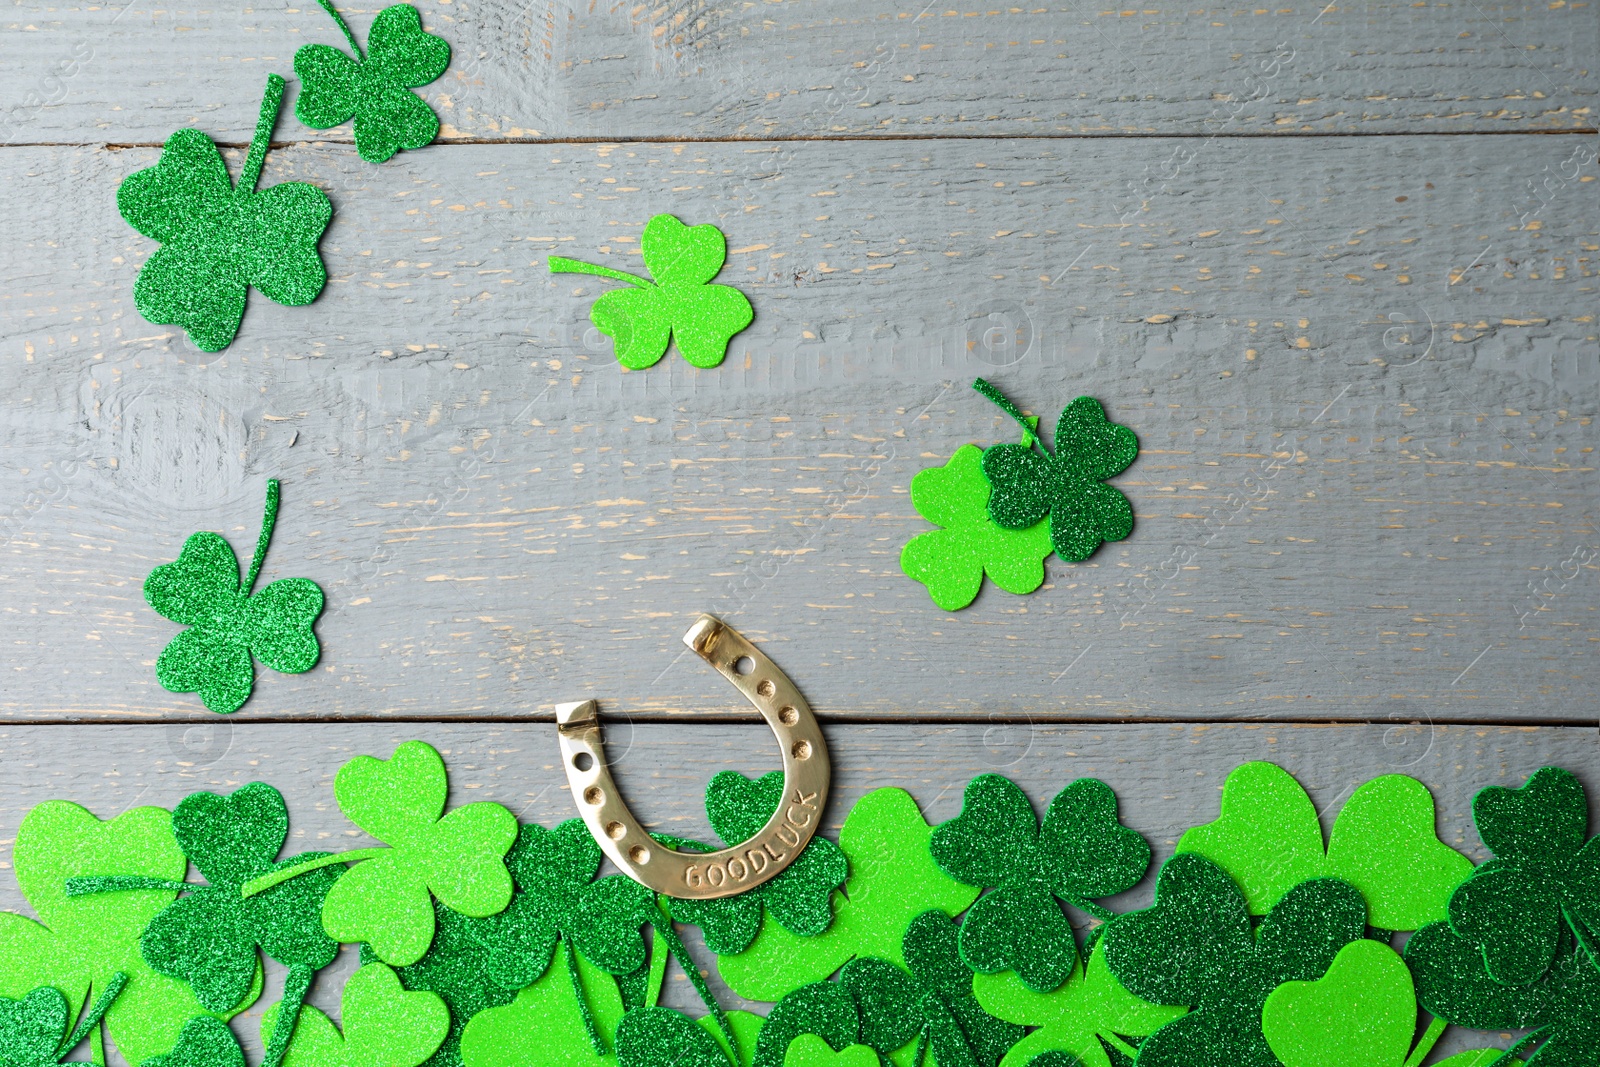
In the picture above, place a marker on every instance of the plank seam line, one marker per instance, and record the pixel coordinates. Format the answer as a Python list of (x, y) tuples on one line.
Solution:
[(730, 719)]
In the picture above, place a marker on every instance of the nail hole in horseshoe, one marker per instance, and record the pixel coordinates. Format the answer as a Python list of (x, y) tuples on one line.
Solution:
[(639, 854), (788, 716), (583, 761), (616, 831), (766, 688), (743, 665), (594, 795), (801, 749)]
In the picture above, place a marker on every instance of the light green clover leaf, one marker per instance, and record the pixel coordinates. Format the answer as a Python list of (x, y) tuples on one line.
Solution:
[(952, 562), (653, 1036), (1072, 1018), (374, 88), (1362, 1013), (1383, 843), (680, 304), (219, 239), (384, 1025), (204, 1042), (809, 1050), (892, 880), (458, 857), (82, 942)]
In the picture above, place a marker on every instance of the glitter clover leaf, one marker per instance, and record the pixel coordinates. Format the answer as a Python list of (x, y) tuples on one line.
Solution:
[(952, 562), (799, 899), (384, 1025), (227, 623), (681, 304), (374, 87), (1080, 853), (1195, 947), (824, 1009), (1085, 1021), (1067, 485), (1363, 1011), (219, 239), (211, 936), (892, 880), (930, 1000), (33, 1030), (1544, 876), (653, 1036), (386, 900), (1269, 838), (83, 943), (553, 1014), (1561, 1007), (204, 1042)]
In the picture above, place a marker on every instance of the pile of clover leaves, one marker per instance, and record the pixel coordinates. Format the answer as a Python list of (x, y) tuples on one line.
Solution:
[(488, 944)]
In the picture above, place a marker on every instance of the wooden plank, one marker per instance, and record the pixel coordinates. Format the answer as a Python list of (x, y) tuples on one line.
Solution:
[(1167, 777), (1364, 490), (82, 70)]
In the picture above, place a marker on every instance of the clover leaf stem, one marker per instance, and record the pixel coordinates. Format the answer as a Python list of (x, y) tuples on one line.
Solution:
[(563, 265), (922, 1048), (598, 1045), (1091, 908), (257, 155), (1430, 1037), (120, 883), (680, 953), (344, 28), (295, 987), (91, 1021), (1030, 436), (1120, 1045), (1585, 937), (268, 520), (283, 874)]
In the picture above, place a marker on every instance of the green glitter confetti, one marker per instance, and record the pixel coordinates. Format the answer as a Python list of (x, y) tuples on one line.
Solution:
[(1068, 485), (227, 623), (1383, 843), (1363, 1011), (219, 239), (1195, 947), (1561, 1007), (952, 562), (384, 1025), (1079, 854), (210, 936), (930, 1000), (375, 87), (204, 1042), (1544, 876), (892, 880), (1073, 1019), (458, 857), (84, 942), (681, 305), (799, 899)]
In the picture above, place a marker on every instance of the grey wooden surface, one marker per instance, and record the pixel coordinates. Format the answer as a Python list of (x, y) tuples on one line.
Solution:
[(1335, 264), (1364, 491), (1167, 777)]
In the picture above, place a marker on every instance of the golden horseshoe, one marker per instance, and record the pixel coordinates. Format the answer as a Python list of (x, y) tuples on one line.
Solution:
[(693, 875)]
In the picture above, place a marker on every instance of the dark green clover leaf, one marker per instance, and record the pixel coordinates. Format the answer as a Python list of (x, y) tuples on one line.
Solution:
[(826, 1009), (1561, 1007), (210, 936), (1195, 947), (204, 1042), (218, 239), (931, 1000), (1544, 876), (1068, 485), (227, 623), (1079, 854), (799, 899), (661, 1037), (558, 898), (374, 87), (33, 1030), (682, 303)]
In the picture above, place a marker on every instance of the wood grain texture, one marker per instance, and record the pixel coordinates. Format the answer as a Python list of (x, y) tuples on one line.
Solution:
[(1363, 489), (554, 69), (1167, 778)]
